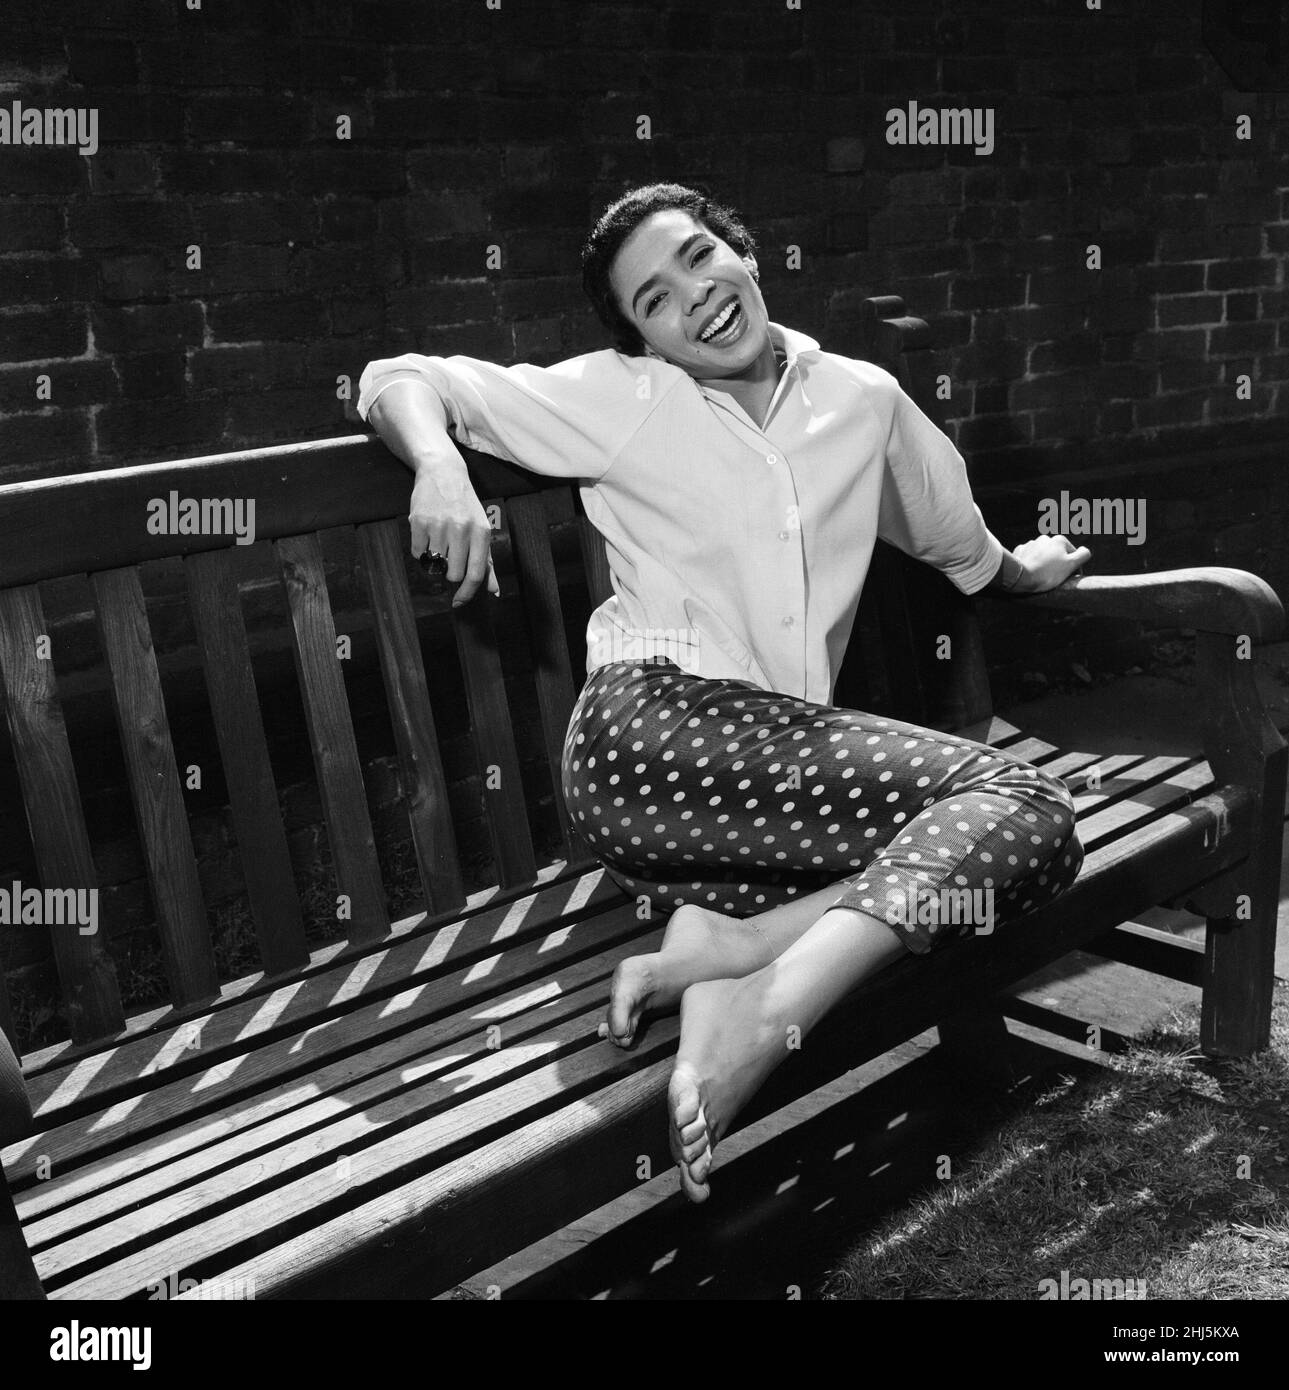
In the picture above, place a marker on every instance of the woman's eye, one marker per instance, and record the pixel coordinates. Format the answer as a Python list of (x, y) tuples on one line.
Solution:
[(653, 303), (704, 251)]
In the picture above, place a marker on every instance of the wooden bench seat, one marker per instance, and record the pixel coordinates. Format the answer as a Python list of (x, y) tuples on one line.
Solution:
[(400, 1109)]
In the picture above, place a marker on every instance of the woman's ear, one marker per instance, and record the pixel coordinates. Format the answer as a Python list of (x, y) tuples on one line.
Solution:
[(750, 261)]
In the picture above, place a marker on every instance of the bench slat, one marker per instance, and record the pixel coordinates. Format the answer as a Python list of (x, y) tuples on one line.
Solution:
[(331, 735), (595, 561), (216, 609), (586, 1063), (57, 823), (344, 1124), (420, 761), (230, 1066), (494, 743), (143, 1171), (156, 786), (530, 519)]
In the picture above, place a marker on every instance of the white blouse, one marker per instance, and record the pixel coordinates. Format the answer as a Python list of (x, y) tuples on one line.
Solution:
[(737, 550)]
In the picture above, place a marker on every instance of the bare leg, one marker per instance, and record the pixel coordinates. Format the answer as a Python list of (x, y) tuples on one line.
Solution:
[(733, 1033), (698, 945)]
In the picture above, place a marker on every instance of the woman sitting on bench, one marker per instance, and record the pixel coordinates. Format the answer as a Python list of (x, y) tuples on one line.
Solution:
[(740, 476)]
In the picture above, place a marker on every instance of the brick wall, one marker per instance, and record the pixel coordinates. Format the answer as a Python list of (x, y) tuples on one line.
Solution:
[(474, 126)]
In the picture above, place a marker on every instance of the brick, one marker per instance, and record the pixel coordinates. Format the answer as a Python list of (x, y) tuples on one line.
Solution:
[(121, 171), (1121, 381), (1162, 411), (255, 220), (43, 334), (268, 318), (1070, 286), (1187, 376), (988, 292), (1170, 279), (844, 155), (1242, 337), (246, 367), (1240, 308), (236, 270), (1045, 391), (43, 444), (492, 341), (128, 223), (1078, 350), (44, 170), (83, 382), (348, 219), (147, 431), (31, 280), (262, 417), (133, 278), (1244, 274), (413, 119), (102, 62), (446, 167), (149, 375), (253, 119), (1181, 310), (146, 327)]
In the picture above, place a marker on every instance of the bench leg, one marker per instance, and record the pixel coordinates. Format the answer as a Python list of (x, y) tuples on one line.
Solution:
[(1240, 911), (1244, 747), (18, 1278), (1238, 977)]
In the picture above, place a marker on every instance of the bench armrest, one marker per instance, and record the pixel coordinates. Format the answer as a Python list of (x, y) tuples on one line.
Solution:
[(15, 1106), (1208, 598)]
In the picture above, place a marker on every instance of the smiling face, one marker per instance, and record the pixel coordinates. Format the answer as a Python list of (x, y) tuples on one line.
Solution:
[(692, 298)]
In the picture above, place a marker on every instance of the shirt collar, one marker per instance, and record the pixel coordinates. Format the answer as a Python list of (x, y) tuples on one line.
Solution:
[(790, 344)]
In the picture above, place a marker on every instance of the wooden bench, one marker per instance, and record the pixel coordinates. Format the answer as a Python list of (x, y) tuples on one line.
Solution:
[(409, 1105)]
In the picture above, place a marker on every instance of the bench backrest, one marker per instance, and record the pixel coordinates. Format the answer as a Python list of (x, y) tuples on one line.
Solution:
[(98, 525)]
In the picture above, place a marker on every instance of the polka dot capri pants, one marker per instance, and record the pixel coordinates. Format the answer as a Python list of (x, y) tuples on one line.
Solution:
[(718, 793)]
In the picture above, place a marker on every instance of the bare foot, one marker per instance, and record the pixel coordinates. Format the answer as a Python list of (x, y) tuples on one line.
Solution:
[(698, 944), (731, 1039)]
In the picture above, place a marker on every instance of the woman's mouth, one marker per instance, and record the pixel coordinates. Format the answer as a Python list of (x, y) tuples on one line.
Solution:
[(725, 327)]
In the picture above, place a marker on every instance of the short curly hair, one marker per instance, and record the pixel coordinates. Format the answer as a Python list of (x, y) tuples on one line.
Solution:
[(620, 219)]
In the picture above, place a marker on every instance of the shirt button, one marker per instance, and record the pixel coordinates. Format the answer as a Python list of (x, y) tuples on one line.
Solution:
[(771, 458), (788, 622), (783, 535)]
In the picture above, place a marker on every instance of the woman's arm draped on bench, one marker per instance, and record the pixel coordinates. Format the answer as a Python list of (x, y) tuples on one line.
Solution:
[(565, 421), (928, 512)]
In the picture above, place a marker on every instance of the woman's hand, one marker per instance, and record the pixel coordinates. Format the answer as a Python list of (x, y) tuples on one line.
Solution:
[(449, 520), (1048, 561)]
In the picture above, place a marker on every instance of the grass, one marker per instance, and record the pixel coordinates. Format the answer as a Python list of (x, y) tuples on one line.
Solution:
[(1168, 1167)]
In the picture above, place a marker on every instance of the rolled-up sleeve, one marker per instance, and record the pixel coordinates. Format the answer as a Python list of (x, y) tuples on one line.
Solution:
[(927, 509), (569, 420)]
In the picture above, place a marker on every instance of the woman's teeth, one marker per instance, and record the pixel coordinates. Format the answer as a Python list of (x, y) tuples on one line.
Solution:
[(723, 324)]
